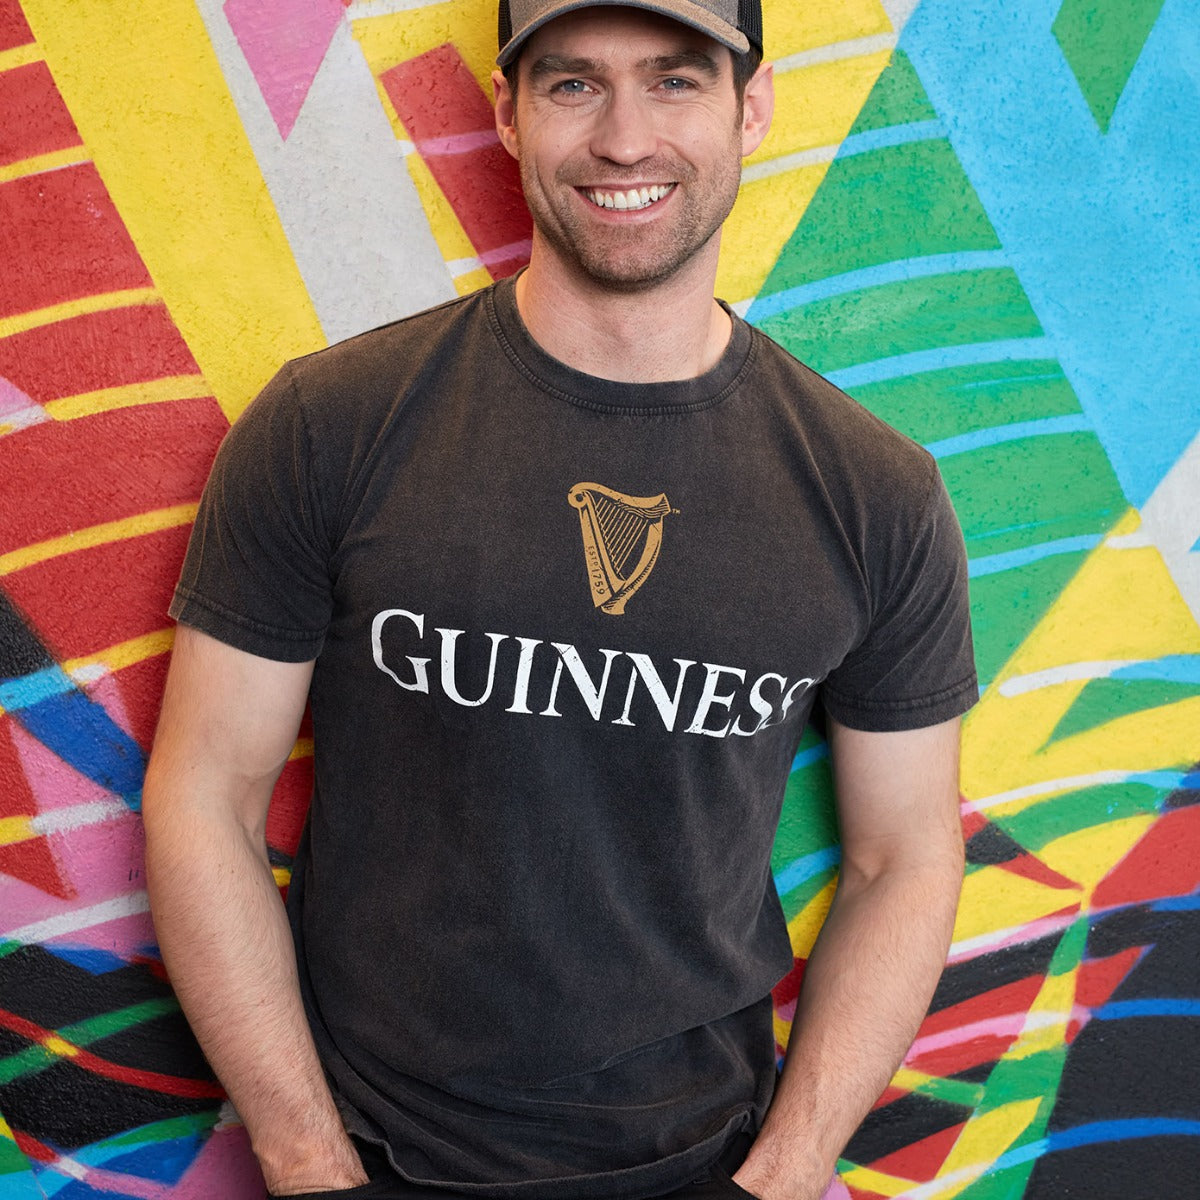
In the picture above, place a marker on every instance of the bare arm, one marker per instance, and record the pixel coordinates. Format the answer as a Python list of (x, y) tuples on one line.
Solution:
[(877, 960), (228, 723)]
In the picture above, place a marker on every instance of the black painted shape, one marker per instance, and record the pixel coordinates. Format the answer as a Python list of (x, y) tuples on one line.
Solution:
[(66, 1106), (991, 846), (20, 651), (1184, 797), (906, 1120), (964, 981), (1133, 1068)]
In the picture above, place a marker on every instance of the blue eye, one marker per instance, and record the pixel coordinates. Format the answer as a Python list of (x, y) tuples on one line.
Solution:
[(572, 87)]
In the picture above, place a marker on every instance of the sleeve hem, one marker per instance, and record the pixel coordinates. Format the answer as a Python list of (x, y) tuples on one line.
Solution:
[(243, 633), (887, 716)]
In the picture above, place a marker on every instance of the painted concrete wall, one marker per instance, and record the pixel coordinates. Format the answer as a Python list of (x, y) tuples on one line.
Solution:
[(978, 217)]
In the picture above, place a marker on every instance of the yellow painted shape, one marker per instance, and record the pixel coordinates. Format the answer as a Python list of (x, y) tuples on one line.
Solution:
[(1046, 1020), (984, 1138), (60, 1047), (472, 281), (302, 749), (124, 654), (151, 391), (1121, 604), (806, 924), (1088, 855), (870, 1180), (164, 134), (6, 1129), (468, 25), (790, 28), (994, 899), (100, 302), (56, 159), (283, 876), (20, 56), (818, 105), (909, 1080), (16, 829), (98, 535)]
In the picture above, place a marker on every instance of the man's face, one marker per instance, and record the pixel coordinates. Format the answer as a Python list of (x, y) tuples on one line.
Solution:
[(630, 137)]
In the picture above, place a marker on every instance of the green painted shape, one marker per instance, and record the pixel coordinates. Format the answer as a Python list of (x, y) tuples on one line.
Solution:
[(898, 98), (1104, 700), (166, 1130), (83, 1033), (808, 826), (1024, 493), (1006, 606), (844, 228), (955, 400), (956, 309), (1102, 41), (1088, 808)]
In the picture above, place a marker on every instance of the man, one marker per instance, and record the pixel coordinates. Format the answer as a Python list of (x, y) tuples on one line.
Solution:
[(564, 565)]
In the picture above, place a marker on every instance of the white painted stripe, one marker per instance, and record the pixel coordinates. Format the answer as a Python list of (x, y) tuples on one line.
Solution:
[(462, 266), (78, 816), (1068, 783), (789, 162), (1018, 685), (341, 187), (80, 918), (853, 48)]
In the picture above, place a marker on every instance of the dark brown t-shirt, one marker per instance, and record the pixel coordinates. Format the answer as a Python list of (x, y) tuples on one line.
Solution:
[(567, 632)]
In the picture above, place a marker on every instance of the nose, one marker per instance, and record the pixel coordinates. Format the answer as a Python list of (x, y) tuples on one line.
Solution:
[(625, 130)]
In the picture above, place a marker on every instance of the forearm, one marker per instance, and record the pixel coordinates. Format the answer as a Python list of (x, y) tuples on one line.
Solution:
[(867, 986), (228, 949)]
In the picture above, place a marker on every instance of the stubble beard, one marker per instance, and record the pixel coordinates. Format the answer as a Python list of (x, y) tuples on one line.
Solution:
[(639, 257)]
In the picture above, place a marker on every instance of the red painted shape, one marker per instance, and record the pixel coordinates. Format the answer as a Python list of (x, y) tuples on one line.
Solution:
[(155, 1081), (31, 861), (14, 29), (66, 475), (862, 1193), (972, 823), (289, 805), (32, 1148), (1012, 997), (1029, 866), (890, 1093), (1166, 862), (788, 988), (1098, 978), (141, 687), (97, 350), (962, 1056), (921, 1160), (60, 239), (452, 125), (92, 599), (36, 120)]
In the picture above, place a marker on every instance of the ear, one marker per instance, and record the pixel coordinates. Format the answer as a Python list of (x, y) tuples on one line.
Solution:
[(758, 105), (506, 112)]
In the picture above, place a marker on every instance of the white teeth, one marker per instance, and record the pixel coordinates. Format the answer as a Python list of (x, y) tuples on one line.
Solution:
[(633, 199)]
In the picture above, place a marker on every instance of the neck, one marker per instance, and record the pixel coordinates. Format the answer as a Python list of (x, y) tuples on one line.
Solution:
[(674, 330)]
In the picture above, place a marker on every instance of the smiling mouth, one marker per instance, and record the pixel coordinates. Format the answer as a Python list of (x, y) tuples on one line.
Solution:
[(631, 200)]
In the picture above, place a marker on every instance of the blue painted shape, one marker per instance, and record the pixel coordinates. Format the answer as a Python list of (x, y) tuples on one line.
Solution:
[(891, 135), (803, 869), (811, 755), (992, 564), (20, 1185), (30, 689), (922, 267), (1170, 780), (1120, 1010), (1172, 668), (87, 958), (83, 735), (162, 1161), (1100, 228), (914, 363), (1015, 432)]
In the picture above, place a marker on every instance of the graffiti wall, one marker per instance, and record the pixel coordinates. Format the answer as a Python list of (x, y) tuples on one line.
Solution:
[(978, 217)]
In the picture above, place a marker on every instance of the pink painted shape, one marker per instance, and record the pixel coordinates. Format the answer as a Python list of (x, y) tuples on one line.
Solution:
[(285, 42), (54, 783), (106, 692), (836, 1190), (224, 1167)]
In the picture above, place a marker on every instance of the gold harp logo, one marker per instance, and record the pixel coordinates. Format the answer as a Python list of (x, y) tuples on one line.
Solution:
[(622, 536)]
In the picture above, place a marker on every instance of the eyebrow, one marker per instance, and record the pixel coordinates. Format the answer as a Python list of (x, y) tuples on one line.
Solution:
[(558, 64)]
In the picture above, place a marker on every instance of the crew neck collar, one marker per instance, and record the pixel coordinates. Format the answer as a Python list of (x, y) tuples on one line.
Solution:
[(590, 391)]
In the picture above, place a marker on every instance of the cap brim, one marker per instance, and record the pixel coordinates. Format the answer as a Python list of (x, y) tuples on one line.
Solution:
[(678, 10)]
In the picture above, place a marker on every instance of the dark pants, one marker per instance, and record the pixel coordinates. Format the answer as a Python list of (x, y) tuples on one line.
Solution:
[(714, 1184)]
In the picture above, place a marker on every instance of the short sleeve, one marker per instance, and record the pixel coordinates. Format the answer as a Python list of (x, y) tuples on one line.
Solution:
[(256, 574), (915, 666)]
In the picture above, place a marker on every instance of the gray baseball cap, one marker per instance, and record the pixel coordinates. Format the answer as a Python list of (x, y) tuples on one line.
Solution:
[(734, 23)]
